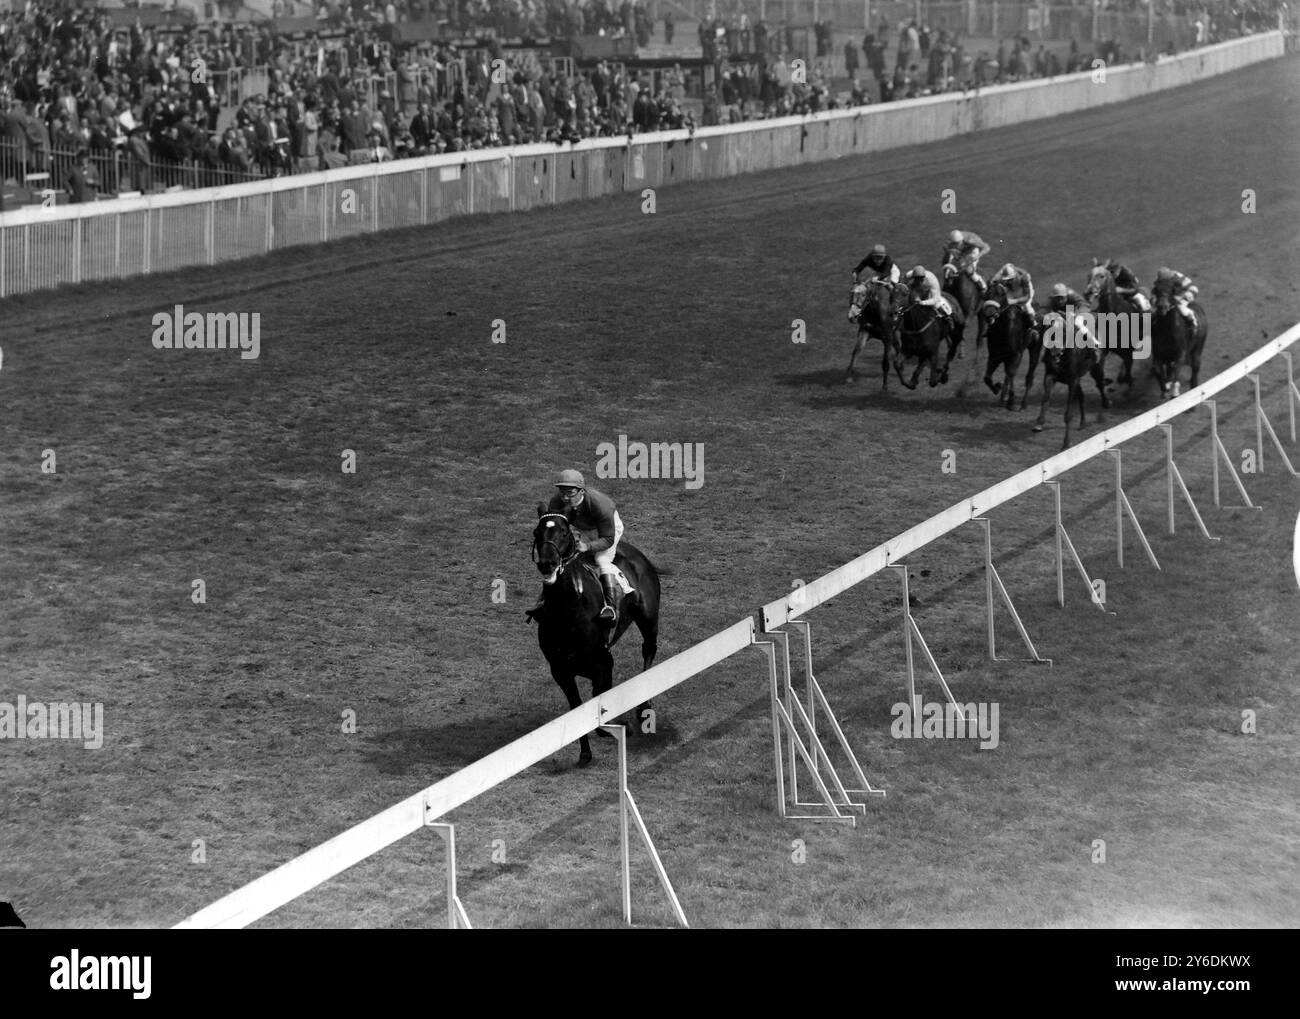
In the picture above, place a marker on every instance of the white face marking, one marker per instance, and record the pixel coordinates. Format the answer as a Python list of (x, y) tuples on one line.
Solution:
[(550, 523)]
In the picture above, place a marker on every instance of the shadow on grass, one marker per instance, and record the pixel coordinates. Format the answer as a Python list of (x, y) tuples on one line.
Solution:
[(399, 751)]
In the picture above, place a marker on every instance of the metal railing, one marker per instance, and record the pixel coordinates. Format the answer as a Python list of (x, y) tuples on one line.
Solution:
[(117, 170)]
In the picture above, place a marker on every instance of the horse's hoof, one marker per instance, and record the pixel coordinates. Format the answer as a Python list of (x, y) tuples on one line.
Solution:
[(603, 734), (848, 380), (584, 758), (1038, 428)]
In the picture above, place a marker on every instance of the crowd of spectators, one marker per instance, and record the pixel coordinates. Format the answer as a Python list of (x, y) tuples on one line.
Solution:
[(108, 108)]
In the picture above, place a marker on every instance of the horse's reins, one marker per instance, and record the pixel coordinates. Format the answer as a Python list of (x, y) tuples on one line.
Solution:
[(564, 562)]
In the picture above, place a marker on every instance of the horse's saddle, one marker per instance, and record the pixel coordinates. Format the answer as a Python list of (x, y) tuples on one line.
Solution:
[(589, 565)]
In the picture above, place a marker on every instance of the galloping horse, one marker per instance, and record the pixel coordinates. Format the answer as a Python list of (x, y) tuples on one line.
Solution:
[(874, 306), (1105, 297), (1070, 366), (1008, 339), (1174, 339), (919, 335), (569, 629), (965, 292)]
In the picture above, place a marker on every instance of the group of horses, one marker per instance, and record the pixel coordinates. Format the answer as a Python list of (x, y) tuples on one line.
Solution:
[(885, 311), (570, 631)]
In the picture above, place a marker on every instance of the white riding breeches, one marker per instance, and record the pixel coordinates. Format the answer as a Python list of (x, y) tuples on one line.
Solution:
[(605, 560)]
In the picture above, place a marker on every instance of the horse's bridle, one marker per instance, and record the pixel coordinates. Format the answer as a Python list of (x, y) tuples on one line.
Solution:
[(563, 560)]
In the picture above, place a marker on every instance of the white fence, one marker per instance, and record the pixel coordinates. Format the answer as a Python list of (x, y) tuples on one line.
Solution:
[(300, 875), (42, 248)]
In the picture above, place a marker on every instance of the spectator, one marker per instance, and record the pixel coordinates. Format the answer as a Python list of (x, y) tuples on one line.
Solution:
[(83, 180)]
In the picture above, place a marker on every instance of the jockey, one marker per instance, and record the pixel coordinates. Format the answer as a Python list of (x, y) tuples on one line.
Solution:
[(879, 262), (924, 289), (963, 252), (598, 529), (1064, 297), (1126, 284), (1019, 287), (1184, 290)]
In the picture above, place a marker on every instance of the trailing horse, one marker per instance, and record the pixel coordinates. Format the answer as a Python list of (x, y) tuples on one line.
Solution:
[(1103, 294), (569, 630), (920, 334), (874, 306), (1070, 366), (1174, 339), (1008, 338)]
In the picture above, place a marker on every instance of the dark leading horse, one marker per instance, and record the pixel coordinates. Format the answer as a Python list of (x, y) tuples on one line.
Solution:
[(874, 306), (920, 334), (1008, 339), (569, 629), (1070, 366), (1174, 339)]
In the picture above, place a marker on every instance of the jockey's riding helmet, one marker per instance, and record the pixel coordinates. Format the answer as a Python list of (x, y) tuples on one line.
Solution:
[(1007, 272), (1165, 273), (570, 479), (917, 273), (879, 249), (1060, 290), (956, 237)]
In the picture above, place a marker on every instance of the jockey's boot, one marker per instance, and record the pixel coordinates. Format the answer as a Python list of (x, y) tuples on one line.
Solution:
[(956, 324), (609, 614), (1140, 299)]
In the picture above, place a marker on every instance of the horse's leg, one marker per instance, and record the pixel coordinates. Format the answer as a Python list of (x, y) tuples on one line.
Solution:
[(569, 685), (1099, 378), (1194, 359), (884, 363), (1069, 406), (857, 349), (1049, 381), (988, 376), (1012, 366), (648, 623), (1035, 350)]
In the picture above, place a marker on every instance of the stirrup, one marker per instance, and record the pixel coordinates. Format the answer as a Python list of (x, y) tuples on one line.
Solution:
[(609, 614)]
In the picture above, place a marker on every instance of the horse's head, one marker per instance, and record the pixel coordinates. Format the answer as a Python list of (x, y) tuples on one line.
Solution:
[(1162, 295), (554, 546), (995, 300), (857, 300), (1100, 281)]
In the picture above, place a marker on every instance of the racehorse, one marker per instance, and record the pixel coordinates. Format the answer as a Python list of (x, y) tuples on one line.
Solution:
[(1174, 339), (569, 629), (874, 307), (919, 335), (965, 292), (1103, 295), (1070, 366), (1008, 338)]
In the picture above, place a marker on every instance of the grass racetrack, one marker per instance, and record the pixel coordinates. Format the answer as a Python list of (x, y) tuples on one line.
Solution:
[(373, 593)]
